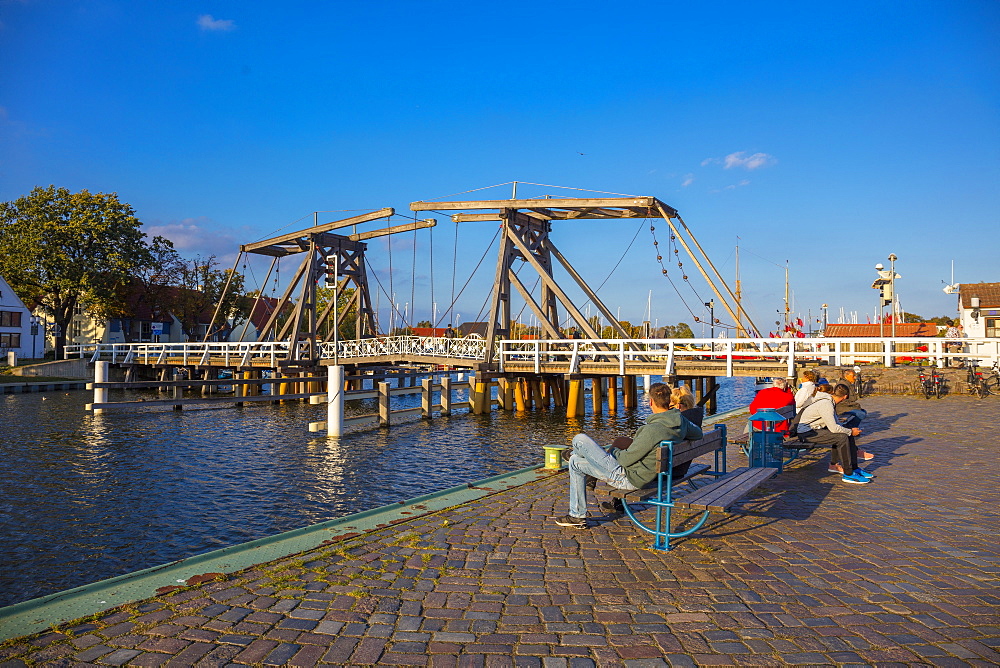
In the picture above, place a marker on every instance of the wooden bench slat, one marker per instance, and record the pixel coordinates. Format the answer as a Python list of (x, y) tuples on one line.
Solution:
[(723, 493), (638, 495)]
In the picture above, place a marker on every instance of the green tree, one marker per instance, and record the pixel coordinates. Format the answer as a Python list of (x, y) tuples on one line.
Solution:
[(681, 330), (154, 283), (346, 313), (62, 250), (200, 288)]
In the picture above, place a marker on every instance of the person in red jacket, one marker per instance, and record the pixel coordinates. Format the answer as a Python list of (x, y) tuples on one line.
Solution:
[(776, 396)]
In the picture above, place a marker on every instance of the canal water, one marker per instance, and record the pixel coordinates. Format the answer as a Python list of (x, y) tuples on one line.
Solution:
[(85, 497)]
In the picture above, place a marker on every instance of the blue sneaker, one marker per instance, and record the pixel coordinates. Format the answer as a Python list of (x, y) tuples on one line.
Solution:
[(864, 473), (856, 478)]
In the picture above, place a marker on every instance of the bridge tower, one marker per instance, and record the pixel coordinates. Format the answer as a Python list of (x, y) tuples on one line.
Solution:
[(340, 260), (525, 228)]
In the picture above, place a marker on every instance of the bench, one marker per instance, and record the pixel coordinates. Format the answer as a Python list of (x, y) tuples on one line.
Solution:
[(718, 495)]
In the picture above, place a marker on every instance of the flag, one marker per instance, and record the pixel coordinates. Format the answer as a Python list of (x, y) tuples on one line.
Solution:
[(799, 322)]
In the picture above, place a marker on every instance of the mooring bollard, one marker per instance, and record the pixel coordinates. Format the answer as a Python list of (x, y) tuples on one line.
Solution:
[(553, 456)]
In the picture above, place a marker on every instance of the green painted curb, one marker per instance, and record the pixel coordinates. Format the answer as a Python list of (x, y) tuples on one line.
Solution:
[(38, 614)]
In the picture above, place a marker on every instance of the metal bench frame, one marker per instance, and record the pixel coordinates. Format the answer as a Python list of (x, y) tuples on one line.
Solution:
[(719, 494)]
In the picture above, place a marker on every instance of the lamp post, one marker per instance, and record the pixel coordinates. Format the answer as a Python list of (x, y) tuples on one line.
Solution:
[(34, 320), (892, 286), (710, 305), (825, 306)]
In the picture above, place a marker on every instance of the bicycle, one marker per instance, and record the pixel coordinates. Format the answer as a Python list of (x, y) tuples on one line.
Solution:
[(982, 384), (931, 384)]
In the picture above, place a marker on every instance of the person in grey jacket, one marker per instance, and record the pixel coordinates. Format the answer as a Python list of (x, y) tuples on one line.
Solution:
[(626, 469), (818, 425)]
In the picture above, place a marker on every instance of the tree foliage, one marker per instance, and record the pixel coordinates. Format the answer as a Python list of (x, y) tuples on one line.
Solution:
[(681, 330), (62, 250), (347, 313), (200, 289)]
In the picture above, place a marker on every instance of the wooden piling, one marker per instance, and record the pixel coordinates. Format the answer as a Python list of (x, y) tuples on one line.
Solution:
[(612, 394), (536, 392), (383, 405), (446, 395), (178, 391), (426, 396), (573, 401), (596, 395), (629, 398), (481, 402)]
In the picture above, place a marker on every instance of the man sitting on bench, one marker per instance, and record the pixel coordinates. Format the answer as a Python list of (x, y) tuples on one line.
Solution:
[(624, 469), (818, 425)]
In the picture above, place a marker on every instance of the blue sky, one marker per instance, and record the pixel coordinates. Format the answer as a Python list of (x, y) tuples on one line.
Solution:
[(825, 135)]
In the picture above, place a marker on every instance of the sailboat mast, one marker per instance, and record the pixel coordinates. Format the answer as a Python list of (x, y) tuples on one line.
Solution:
[(739, 302), (786, 294)]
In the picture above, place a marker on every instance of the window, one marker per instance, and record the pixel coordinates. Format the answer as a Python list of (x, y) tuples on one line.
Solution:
[(993, 327), (10, 318), (10, 340), (76, 329)]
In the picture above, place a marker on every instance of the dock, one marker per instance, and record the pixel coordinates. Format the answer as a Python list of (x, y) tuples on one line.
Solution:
[(901, 571)]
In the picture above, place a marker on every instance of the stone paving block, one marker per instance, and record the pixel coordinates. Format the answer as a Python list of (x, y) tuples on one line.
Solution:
[(120, 657), (93, 653), (281, 654), (191, 654), (149, 660), (165, 645)]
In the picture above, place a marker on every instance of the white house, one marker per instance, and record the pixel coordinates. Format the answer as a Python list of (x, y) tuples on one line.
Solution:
[(979, 306), (15, 325)]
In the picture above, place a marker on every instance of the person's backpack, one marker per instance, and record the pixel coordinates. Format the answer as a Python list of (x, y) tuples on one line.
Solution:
[(793, 426)]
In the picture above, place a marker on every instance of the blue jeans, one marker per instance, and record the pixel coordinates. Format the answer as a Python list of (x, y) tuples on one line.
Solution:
[(590, 459), (852, 419)]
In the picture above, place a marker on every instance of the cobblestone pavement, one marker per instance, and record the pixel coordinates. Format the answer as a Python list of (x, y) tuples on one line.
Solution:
[(902, 571)]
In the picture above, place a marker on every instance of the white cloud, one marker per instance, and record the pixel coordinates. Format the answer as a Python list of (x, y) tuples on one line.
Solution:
[(206, 22), (741, 159), (734, 186), (751, 162), (688, 180), (197, 236)]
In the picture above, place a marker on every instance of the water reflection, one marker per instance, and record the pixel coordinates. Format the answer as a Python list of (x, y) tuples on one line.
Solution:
[(86, 497)]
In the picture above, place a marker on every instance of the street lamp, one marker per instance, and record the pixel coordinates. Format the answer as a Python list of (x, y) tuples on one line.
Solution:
[(824, 317), (710, 305), (34, 320), (892, 288)]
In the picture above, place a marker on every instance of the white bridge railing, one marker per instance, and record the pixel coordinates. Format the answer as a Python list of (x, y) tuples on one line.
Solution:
[(666, 352), (430, 346)]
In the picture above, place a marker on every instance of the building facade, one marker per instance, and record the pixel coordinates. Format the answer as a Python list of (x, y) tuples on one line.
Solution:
[(15, 325)]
